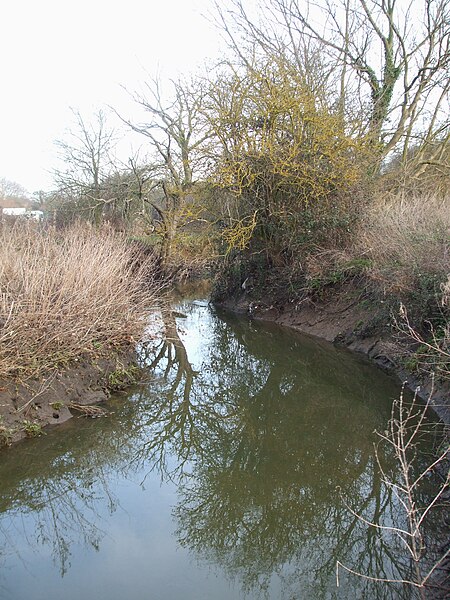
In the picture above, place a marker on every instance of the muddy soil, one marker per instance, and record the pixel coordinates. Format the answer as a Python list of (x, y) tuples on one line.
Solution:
[(26, 407)]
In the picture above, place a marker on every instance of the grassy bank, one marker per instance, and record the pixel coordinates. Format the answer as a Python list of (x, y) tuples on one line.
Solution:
[(407, 246), (68, 294)]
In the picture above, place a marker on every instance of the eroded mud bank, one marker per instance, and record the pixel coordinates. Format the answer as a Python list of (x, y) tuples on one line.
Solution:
[(26, 407), (346, 321)]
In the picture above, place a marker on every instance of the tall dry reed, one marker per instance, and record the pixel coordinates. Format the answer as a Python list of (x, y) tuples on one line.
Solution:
[(78, 292), (406, 239), (407, 242)]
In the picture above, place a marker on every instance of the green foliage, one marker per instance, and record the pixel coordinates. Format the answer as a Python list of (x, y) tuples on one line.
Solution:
[(6, 434), (411, 362), (57, 405), (123, 377), (423, 300), (342, 272), (32, 429)]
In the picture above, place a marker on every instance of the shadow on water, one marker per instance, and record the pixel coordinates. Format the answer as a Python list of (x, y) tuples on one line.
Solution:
[(264, 436)]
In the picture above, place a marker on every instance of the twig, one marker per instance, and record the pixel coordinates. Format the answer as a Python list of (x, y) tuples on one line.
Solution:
[(370, 578), (44, 387)]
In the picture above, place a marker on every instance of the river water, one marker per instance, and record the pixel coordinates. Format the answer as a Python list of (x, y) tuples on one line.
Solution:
[(234, 472)]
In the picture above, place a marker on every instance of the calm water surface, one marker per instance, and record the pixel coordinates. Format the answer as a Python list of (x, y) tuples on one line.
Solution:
[(225, 477)]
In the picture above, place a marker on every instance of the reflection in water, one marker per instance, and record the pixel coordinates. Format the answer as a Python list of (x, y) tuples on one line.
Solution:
[(58, 495), (267, 459), (266, 435)]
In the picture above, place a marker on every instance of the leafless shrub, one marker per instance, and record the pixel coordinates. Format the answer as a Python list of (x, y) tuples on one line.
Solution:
[(406, 426), (67, 294)]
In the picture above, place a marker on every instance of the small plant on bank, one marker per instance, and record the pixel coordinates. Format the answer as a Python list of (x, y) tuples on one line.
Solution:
[(32, 429), (6, 434), (338, 274), (122, 377)]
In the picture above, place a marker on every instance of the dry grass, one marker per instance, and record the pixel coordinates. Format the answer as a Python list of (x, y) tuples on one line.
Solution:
[(445, 288), (68, 294), (407, 242), (406, 239), (401, 250)]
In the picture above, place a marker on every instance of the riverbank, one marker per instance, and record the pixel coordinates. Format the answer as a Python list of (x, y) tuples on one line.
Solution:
[(346, 317), (27, 407), (74, 302), (250, 427)]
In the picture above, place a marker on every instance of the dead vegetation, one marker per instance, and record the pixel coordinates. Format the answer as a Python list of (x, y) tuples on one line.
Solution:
[(68, 294), (426, 571), (405, 240)]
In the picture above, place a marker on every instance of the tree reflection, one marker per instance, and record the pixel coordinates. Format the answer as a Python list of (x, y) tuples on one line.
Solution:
[(268, 439), (252, 420), (56, 491)]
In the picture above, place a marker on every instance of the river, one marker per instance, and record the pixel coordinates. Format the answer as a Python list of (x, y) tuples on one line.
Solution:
[(234, 472)]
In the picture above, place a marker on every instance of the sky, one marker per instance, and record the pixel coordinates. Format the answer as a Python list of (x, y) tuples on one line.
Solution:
[(57, 54)]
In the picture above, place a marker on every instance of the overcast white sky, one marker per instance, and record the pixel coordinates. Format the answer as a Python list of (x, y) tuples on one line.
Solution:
[(57, 54)]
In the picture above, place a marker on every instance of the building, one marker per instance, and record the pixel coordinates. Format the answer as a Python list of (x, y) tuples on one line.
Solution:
[(36, 215)]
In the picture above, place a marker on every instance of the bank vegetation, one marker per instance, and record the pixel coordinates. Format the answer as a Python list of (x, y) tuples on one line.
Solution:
[(313, 156), (312, 160), (310, 165), (68, 295)]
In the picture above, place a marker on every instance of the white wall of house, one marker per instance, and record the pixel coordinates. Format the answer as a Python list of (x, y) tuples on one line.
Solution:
[(14, 212), (36, 215)]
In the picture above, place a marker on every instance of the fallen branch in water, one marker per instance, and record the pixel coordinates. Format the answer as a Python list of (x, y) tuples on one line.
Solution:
[(87, 410)]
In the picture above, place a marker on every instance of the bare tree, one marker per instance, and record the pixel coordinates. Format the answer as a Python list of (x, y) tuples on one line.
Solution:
[(129, 190), (177, 132), (12, 193), (395, 55), (86, 154)]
